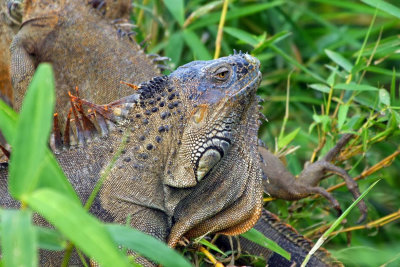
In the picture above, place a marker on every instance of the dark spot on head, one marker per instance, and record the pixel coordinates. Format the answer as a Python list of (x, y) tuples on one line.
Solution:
[(161, 129), (170, 106), (143, 155), (158, 98), (149, 146), (111, 150), (147, 112), (169, 89), (171, 96), (158, 139), (176, 103), (154, 109), (130, 120), (145, 121), (123, 151), (164, 115), (151, 102), (138, 115), (162, 103), (127, 159), (142, 138)]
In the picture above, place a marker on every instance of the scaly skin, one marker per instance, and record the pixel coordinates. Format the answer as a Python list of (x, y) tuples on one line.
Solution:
[(49, 33), (210, 128)]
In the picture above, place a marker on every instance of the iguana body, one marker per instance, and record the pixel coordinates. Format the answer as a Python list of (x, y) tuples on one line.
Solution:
[(177, 152), (70, 75)]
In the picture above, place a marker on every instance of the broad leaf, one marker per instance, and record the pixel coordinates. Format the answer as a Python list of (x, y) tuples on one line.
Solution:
[(18, 238)]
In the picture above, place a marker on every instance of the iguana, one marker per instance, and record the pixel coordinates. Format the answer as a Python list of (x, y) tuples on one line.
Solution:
[(199, 127), (270, 170)]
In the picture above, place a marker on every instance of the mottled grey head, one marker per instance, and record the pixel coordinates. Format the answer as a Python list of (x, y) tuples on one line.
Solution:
[(216, 95)]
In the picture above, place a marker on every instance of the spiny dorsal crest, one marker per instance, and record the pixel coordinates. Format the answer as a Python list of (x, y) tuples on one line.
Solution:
[(82, 127)]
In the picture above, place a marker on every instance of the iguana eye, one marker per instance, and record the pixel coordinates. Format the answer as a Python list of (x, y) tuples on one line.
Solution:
[(222, 74)]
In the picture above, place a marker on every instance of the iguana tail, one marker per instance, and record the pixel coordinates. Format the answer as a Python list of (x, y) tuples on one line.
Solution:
[(290, 240)]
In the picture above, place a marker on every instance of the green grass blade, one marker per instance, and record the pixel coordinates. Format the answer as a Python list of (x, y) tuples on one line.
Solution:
[(32, 134), (211, 246), (146, 246), (50, 239), (384, 6), (285, 140), (335, 224), (49, 173), (18, 239), (198, 48), (8, 121), (258, 238), (339, 59), (92, 238), (242, 35), (355, 87), (177, 9)]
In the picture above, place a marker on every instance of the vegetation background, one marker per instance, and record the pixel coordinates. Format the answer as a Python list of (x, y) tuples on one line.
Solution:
[(329, 67)]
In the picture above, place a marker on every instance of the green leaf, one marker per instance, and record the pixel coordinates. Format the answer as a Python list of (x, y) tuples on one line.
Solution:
[(384, 6), (146, 245), (67, 216), (339, 59), (320, 87), (49, 173), (384, 97), (177, 9), (32, 134), (50, 239), (211, 246), (18, 238), (174, 48), (198, 48), (355, 87), (8, 121), (243, 35), (322, 119), (342, 115), (258, 238), (282, 142)]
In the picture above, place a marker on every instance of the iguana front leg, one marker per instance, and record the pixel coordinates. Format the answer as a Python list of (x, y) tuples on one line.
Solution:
[(280, 183)]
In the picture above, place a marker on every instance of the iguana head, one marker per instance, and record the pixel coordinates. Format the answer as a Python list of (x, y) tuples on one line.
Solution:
[(216, 94), (212, 174)]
